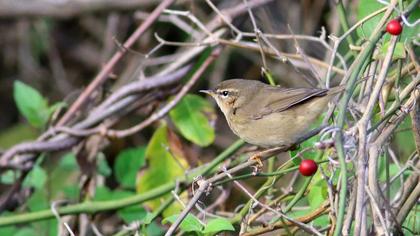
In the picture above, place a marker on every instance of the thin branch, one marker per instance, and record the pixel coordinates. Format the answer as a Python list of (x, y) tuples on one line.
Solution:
[(65, 9), (164, 110), (107, 69)]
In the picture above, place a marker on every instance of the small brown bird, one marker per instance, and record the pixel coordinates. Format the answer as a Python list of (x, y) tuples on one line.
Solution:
[(270, 116)]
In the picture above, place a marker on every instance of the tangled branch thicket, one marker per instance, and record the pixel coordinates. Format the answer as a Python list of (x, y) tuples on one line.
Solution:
[(84, 173)]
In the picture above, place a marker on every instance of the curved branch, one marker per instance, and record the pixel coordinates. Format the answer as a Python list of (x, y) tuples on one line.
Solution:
[(65, 9)]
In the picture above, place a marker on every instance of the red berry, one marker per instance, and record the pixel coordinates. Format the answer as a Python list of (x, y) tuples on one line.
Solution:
[(394, 27), (308, 167)]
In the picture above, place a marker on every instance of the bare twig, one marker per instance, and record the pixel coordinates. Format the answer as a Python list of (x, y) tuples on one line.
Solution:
[(107, 69), (171, 104)]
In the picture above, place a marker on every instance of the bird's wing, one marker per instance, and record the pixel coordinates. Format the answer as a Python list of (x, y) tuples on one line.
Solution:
[(282, 99)]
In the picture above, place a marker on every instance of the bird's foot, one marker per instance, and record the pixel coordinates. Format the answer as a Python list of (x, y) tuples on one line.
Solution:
[(258, 165)]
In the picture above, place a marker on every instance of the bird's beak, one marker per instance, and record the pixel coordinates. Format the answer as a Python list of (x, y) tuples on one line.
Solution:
[(209, 92)]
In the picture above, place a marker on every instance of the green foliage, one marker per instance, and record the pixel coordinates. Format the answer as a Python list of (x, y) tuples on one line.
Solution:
[(162, 167), (32, 105), (322, 221), (305, 155), (399, 51), (217, 225), (26, 232), (317, 194), (189, 224), (132, 213), (11, 230), (36, 178), (127, 165), (410, 33), (412, 222), (365, 8), (192, 224), (403, 139), (38, 200), (8, 177), (127, 214), (68, 162), (153, 229), (63, 177), (188, 116)]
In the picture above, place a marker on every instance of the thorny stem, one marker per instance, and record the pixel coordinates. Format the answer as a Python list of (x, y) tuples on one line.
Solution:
[(350, 86)]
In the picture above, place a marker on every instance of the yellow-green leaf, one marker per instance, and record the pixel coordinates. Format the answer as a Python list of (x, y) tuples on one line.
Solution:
[(162, 168), (189, 224), (188, 116), (217, 225)]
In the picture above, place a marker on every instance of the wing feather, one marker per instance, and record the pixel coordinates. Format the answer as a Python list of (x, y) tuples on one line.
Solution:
[(282, 99)]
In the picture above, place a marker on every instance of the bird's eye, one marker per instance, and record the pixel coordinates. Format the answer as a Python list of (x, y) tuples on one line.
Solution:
[(225, 93)]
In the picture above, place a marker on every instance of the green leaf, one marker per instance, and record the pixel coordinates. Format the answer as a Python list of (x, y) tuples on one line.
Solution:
[(63, 178), (411, 33), (127, 165), (36, 178), (365, 8), (316, 196), (71, 192), (46, 227), (102, 193), (26, 232), (322, 221), (317, 191), (31, 104), (153, 229), (8, 177), (128, 214), (132, 213), (38, 200), (103, 167), (11, 230), (217, 225), (188, 116), (68, 162), (189, 224), (163, 167), (399, 51)]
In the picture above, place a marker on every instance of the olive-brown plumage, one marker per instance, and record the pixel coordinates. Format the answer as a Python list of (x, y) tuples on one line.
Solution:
[(269, 116)]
